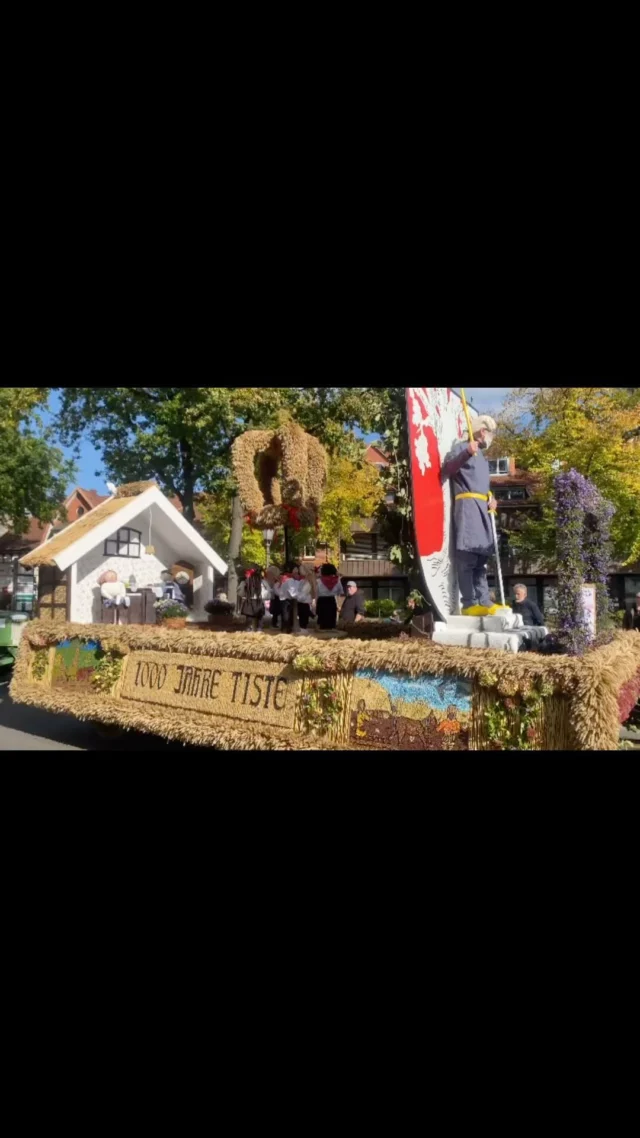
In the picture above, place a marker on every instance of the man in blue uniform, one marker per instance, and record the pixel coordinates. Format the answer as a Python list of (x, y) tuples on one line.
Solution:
[(468, 470)]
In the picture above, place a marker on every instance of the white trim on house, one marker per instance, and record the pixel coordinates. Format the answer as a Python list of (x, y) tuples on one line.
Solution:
[(151, 497)]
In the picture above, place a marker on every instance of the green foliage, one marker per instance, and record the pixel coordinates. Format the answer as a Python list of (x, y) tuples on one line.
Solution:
[(40, 663), (354, 492), (181, 436), (590, 430), (389, 413), (320, 706), (306, 662), (380, 608), (215, 510), (106, 671), (512, 723), (33, 474)]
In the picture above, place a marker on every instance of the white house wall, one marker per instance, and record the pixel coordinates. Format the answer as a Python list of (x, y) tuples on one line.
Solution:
[(86, 602)]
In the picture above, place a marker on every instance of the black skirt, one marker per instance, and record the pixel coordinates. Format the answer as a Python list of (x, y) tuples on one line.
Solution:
[(327, 611)]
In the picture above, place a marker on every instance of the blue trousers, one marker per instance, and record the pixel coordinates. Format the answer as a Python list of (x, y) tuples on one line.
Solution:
[(472, 578)]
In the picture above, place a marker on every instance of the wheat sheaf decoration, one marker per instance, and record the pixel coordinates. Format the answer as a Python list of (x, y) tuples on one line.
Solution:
[(281, 476)]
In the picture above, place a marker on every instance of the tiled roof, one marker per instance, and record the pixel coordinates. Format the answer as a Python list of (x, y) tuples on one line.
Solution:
[(374, 454), (92, 497), (36, 533)]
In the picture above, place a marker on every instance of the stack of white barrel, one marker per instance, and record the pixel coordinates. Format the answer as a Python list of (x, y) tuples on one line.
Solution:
[(504, 631)]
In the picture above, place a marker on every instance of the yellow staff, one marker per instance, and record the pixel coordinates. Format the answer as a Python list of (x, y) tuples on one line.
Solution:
[(491, 512), (466, 412)]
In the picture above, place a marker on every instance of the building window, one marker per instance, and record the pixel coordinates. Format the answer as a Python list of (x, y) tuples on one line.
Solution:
[(631, 587), (80, 511), (360, 548), (126, 543), (498, 466), (390, 593), (509, 493)]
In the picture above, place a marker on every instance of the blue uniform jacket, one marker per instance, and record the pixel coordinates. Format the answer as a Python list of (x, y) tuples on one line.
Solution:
[(471, 515)]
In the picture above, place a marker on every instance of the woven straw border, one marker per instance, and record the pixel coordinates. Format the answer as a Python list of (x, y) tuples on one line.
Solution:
[(589, 685)]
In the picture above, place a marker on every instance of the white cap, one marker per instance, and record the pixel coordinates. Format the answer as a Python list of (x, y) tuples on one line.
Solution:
[(352, 583), (481, 421)]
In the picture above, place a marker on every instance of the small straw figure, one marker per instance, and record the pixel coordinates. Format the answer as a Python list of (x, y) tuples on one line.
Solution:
[(307, 597), (329, 587), (272, 583), (252, 603)]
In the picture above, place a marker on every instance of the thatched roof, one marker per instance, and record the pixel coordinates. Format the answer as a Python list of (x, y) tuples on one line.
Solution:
[(45, 554)]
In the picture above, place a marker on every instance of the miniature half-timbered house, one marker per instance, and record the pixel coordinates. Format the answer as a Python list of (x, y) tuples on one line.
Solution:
[(138, 534)]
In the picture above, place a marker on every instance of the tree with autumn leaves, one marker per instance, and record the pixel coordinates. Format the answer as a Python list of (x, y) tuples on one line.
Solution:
[(594, 431), (181, 437)]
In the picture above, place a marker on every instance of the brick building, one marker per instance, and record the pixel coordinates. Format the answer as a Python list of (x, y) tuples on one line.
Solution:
[(13, 546)]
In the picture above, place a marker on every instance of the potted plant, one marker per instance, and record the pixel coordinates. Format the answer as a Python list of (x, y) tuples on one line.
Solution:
[(171, 613), (220, 612)]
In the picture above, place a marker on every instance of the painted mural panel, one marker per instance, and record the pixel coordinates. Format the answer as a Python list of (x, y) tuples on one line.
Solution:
[(74, 663), (421, 713)]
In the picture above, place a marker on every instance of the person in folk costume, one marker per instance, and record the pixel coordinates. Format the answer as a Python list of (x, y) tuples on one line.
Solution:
[(171, 589), (329, 587), (272, 582), (289, 584), (307, 596), (468, 470), (185, 584), (252, 605)]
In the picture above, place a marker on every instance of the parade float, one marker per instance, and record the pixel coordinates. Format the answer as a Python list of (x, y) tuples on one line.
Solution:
[(341, 691)]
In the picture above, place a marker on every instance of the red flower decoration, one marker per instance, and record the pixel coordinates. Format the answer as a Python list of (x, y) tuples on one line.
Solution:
[(294, 519)]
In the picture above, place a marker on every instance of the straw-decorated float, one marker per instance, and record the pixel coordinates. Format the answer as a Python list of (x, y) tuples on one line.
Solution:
[(264, 691), (235, 690)]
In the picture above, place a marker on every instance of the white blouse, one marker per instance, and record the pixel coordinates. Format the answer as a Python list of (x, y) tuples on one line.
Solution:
[(336, 591), (305, 594)]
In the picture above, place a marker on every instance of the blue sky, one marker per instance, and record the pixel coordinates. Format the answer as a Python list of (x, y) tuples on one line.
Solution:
[(486, 399)]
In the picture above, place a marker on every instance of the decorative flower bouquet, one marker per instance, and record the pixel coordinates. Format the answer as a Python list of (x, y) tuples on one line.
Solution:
[(172, 613)]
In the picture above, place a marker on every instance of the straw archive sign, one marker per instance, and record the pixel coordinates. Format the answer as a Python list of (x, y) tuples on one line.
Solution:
[(264, 691)]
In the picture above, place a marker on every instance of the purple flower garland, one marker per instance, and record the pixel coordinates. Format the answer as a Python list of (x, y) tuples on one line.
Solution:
[(583, 519)]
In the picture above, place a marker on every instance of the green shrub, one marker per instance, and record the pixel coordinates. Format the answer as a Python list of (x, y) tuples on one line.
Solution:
[(380, 608)]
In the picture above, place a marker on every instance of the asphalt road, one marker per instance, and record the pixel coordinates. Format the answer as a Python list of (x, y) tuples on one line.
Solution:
[(25, 728)]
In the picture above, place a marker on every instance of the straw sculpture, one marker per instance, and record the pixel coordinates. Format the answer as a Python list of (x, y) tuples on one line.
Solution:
[(132, 489), (291, 475), (579, 705)]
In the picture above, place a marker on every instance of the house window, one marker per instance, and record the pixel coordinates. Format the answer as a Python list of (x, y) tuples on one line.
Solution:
[(510, 493), (390, 593), (498, 466), (360, 548), (126, 543), (80, 511)]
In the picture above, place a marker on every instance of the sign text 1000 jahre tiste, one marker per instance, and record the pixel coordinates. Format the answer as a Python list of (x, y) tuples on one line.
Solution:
[(244, 689)]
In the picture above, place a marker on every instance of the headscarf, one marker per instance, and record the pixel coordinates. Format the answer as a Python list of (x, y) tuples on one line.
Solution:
[(307, 574)]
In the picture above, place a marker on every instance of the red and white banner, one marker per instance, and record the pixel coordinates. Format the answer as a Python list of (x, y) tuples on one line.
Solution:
[(436, 422)]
